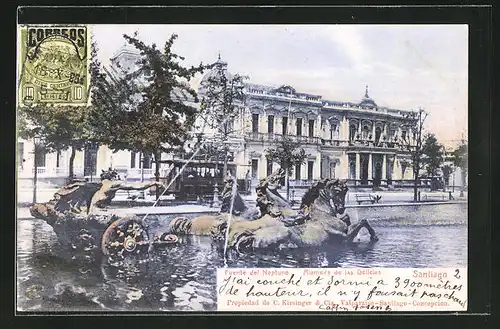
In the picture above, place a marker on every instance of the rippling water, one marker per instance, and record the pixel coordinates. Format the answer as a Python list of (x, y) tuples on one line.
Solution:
[(182, 277)]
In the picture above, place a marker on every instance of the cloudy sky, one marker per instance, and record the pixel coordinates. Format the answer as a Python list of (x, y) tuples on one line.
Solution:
[(405, 66)]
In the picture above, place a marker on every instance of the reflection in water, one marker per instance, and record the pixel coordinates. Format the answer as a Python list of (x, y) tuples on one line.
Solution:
[(183, 276)]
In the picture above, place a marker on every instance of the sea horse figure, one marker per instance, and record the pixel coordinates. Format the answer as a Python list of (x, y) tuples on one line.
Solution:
[(323, 208), (77, 212), (321, 219)]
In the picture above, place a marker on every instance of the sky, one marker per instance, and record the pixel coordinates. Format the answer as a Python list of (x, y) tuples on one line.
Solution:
[(404, 66)]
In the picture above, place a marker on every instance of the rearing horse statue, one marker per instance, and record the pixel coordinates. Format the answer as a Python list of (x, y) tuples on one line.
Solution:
[(326, 222), (322, 220)]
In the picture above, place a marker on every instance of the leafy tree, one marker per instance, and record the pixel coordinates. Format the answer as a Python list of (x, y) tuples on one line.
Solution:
[(223, 97), (57, 128), (432, 154), (287, 153), (415, 123), (150, 109), (461, 159)]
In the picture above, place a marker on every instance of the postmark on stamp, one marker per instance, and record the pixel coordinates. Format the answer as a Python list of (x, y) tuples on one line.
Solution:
[(54, 62)]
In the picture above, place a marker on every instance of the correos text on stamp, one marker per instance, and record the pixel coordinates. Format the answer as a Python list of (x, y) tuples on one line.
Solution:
[(54, 61)]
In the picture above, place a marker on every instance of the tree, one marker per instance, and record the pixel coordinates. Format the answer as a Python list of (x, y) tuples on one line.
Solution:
[(223, 97), (461, 159), (147, 110), (57, 128), (60, 127), (287, 153), (432, 154), (415, 122)]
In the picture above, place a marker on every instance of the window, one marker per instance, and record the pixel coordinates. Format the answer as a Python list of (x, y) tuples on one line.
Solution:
[(20, 154), (255, 123), (311, 128), (255, 167), (333, 131), (297, 171), (58, 159), (132, 159), (392, 134), (365, 132), (403, 135), (332, 169), (378, 132), (352, 132), (299, 127), (270, 124), (352, 166), (284, 125), (269, 167), (310, 167)]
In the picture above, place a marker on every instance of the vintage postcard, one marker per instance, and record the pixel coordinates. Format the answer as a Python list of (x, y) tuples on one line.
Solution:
[(242, 168)]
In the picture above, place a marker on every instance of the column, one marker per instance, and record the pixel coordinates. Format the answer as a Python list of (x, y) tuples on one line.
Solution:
[(317, 167), (370, 164), (358, 166), (384, 167), (396, 171), (373, 131), (343, 166), (359, 127), (344, 129)]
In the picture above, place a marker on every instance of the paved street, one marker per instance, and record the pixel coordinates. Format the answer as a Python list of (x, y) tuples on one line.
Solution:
[(25, 196)]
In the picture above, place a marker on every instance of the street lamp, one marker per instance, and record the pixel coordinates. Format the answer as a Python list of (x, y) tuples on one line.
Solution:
[(36, 142), (216, 201), (143, 194), (453, 174), (142, 167)]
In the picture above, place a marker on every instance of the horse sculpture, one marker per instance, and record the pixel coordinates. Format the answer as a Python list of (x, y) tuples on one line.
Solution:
[(321, 219), (79, 217), (214, 224), (271, 203)]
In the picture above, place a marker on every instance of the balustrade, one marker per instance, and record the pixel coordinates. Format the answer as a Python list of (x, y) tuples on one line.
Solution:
[(39, 170), (270, 137)]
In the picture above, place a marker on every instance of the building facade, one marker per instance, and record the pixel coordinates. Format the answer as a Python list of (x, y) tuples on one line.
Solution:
[(361, 142)]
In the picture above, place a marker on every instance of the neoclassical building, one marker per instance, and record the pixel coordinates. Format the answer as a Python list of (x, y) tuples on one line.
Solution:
[(354, 141), (358, 141)]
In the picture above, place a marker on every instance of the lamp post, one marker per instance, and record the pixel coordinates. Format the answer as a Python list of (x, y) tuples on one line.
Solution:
[(216, 201), (35, 172), (453, 174), (142, 167), (143, 194)]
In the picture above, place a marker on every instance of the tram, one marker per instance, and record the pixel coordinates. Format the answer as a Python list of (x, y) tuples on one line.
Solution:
[(197, 180)]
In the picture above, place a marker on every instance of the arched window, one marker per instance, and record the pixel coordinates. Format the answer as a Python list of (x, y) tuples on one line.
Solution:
[(378, 132), (366, 132), (392, 134), (334, 131), (352, 132)]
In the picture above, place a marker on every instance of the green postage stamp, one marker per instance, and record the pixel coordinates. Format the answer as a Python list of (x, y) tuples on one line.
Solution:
[(53, 64)]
